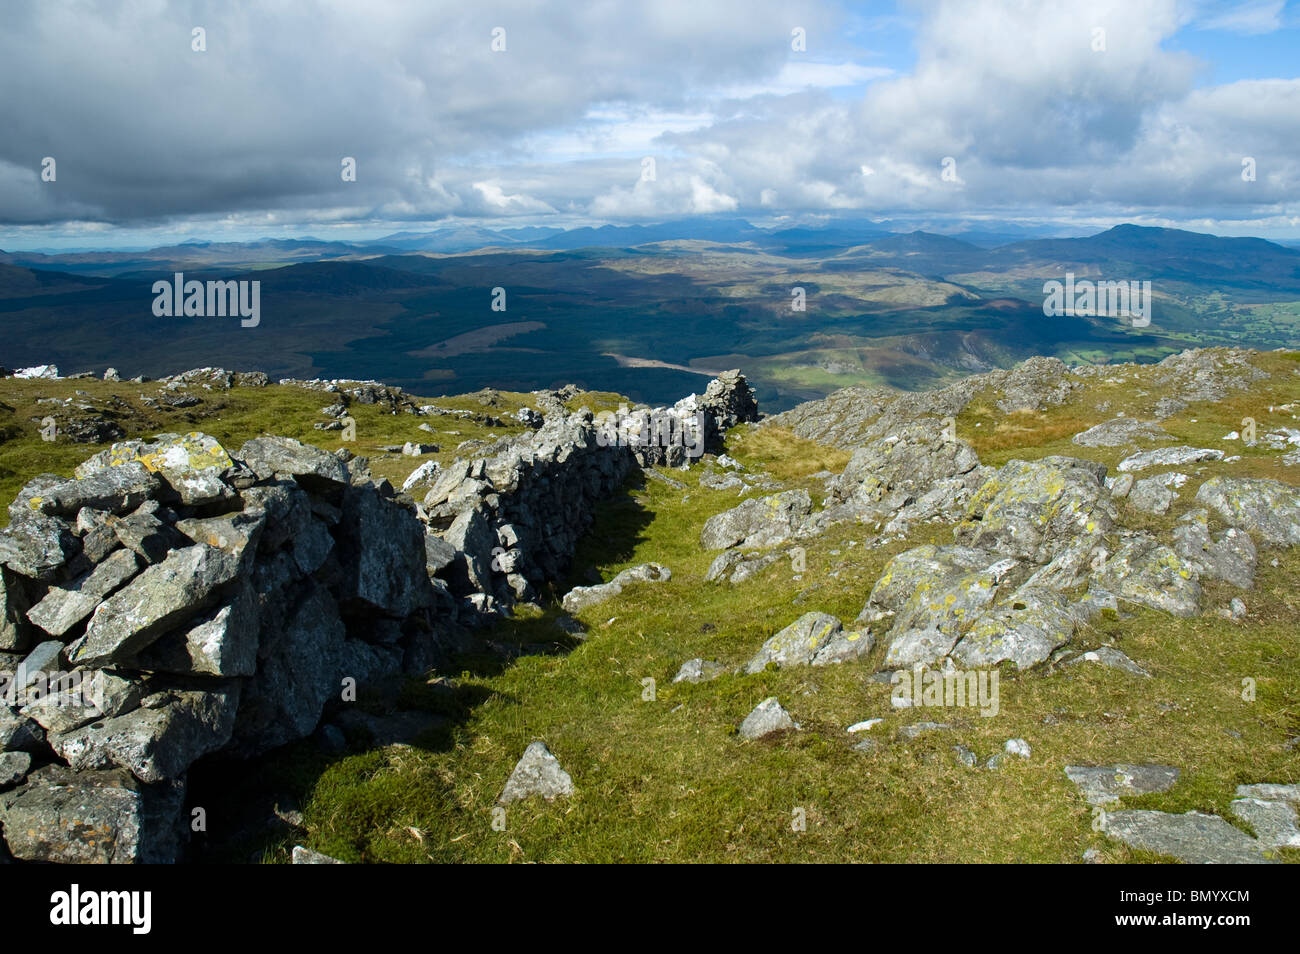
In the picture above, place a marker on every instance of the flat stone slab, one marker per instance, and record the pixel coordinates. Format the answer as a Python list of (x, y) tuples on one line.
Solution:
[(1193, 838), (1106, 784), (1109, 657), (1168, 457)]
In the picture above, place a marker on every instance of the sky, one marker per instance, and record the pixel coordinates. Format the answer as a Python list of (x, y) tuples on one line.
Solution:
[(943, 114)]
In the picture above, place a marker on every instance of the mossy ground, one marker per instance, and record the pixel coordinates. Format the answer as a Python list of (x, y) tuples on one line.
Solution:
[(667, 779)]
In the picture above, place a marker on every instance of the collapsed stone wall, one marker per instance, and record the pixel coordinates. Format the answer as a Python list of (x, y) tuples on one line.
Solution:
[(503, 525)]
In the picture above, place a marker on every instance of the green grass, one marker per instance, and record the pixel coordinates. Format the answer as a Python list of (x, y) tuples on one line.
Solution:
[(668, 779)]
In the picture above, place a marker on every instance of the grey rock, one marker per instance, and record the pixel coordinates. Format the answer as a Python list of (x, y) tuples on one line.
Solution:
[(237, 534), (813, 639), (14, 767), (538, 772), (1146, 572), (68, 817), (1229, 555), (1120, 486), (282, 508), (312, 467), (222, 642), (157, 741), (905, 465), (581, 597), (1035, 509), (1267, 509), (1119, 432), (965, 756), (1109, 657), (384, 542), (44, 658), (67, 604), (766, 718), (300, 670), (15, 632), (19, 733), (438, 553), (161, 597), (1106, 784), (93, 695), (1168, 457), (36, 546), (305, 856), (1151, 495), (914, 731), (1193, 838), (699, 670), (1273, 820), (144, 534), (115, 489), (426, 473), (758, 522)]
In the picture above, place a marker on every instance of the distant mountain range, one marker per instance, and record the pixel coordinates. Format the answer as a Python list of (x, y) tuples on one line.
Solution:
[(645, 310)]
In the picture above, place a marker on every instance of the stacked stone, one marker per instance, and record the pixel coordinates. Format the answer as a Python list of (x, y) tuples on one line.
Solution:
[(188, 603)]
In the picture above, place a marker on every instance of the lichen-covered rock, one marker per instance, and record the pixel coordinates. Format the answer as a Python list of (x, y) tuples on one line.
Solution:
[(758, 522), (1145, 571), (1228, 555), (67, 604), (114, 489), (908, 462), (159, 740), (934, 594), (1025, 630), (1035, 509), (314, 468), (1267, 509), (107, 817), (813, 639), (162, 596)]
